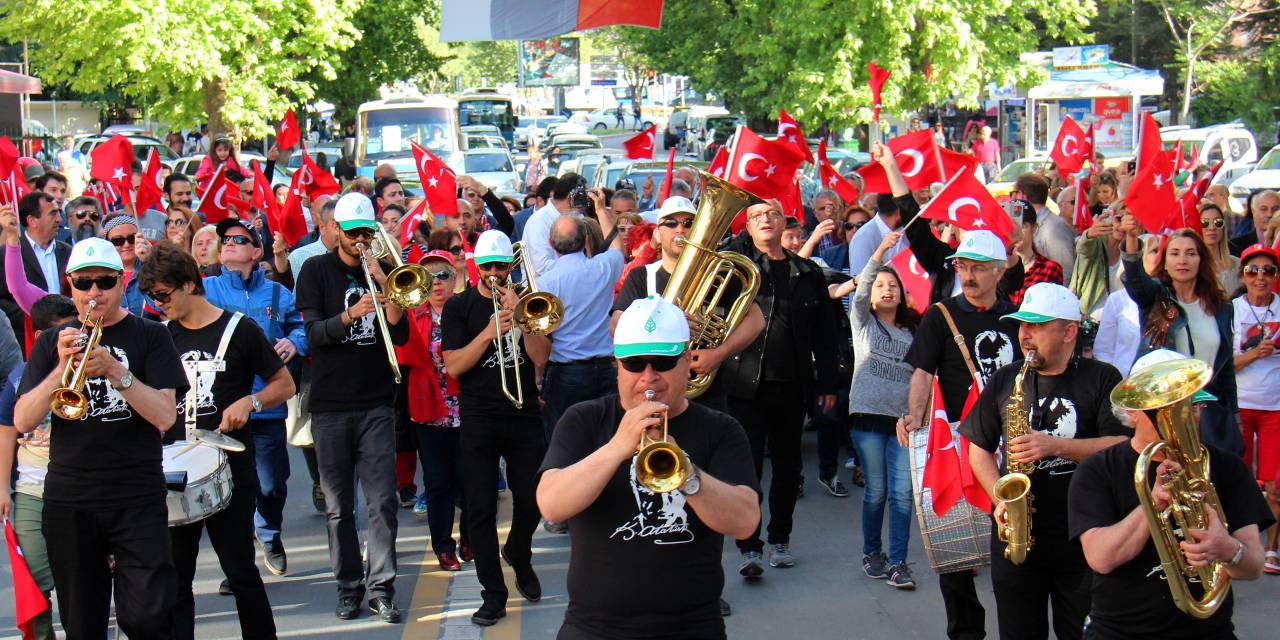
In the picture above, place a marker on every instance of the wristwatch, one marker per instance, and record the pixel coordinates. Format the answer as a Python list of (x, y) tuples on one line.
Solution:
[(693, 483), (1239, 555), (257, 406), (126, 381)]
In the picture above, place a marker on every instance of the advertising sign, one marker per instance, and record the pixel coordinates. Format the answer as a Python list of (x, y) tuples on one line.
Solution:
[(551, 62)]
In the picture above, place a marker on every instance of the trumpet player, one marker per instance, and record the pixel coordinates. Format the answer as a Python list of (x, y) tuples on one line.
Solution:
[(1132, 596), (646, 563), (1062, 415), (104, 493), (351, 404), (498, 404)]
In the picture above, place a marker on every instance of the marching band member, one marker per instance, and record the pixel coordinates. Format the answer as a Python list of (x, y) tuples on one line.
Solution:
[(646, 564), (104, 494), (493, 426), (1068, 409), (352, 418), (222, 351)]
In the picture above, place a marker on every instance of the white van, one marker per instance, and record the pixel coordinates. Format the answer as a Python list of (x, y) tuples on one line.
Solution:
[(1232, 144)]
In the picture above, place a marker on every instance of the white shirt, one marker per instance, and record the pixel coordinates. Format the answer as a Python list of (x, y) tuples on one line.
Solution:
[(1258, 382), (1204, 333), (1119, 333), (867, 240), (47, 258), (537, 237)]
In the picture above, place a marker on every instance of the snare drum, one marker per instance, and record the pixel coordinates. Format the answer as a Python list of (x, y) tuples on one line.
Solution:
[(208, 481)]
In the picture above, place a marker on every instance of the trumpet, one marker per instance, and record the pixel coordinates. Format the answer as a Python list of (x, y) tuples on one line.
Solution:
[(505, 350), (538, 312), (408, 285), (660, 466), (69, 401), (380, 315)]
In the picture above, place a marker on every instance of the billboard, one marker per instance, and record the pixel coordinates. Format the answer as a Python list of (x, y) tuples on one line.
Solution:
[(604, 71), (550, 62)]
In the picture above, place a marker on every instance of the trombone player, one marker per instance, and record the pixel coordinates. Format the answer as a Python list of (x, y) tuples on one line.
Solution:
[(498, 404), (1132, 594), (352, 404), (645, 561), (105, 491)]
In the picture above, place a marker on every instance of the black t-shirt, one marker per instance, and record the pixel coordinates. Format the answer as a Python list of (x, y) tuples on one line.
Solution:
[(642, 563), (1075, 404), (218, 384), (779, 346), (349, 369), (1133, 601), (464, 317), (992, 343), (111, 457)]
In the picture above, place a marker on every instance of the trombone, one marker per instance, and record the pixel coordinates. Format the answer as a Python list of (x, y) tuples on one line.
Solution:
[(505, 350), (538, 312), (408, 285), (69, 401), (379, 315), (660, 466)]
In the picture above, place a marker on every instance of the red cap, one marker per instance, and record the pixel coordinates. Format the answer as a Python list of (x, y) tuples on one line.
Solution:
[(1258, 249), (438, 254)]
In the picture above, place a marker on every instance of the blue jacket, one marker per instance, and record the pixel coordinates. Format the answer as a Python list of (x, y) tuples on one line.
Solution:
[(269, 304), (133, 300)]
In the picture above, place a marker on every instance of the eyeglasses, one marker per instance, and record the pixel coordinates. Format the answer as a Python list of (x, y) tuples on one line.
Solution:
[(442, 275), (672, 224), (976, 270), (240, 240), (1216, 223), (175, 222), (1268, 270), (494, 266), (105, 283), (766, 215), (121, 241), (356, 234), (637, 364), (456, 250), (87, 213), (160, 296)]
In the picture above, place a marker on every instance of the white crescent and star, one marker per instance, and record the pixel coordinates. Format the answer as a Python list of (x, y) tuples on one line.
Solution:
[(118, 174), (217, 197), (1063, 146), (742, 166), (960, 203), (915, 156)]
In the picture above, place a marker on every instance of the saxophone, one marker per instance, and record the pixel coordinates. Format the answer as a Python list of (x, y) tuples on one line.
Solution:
[(1014, 487)]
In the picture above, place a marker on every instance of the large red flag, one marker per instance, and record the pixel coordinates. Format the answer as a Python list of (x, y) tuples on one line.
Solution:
[(1151, 197), (792, 205), (439, 184), (640, 146), (942, 473), (1068, 150), (473, 272), (831, 179), (112, 161), (315, 180), (9, 155), (918, 160), (877, 79), (1083, 215), (719, 163), (105, 193), (12, 185), (289, 135), (790, 129), (766, 168), (28, 600), (966, 203), (666, 183), (216, 203), (1149, 145), (914, 278), (411, 220), (954, 162), (289, 222), (152, 187)]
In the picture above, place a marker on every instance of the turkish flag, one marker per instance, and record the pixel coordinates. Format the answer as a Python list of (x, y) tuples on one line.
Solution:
[(9, 155), (112, 162), (1068, 150), (1151, 197), (640, 146), (719, 163), (28, 600), (831, 179), (1149, 144), (216, 203), (966, 203), (152, 187), (790, 129), (666, 183), (942, 473), (914, 278), (1088, 148), (12, 185), (877, 79), (106, 194), (792, 205), (439, 184), (315, 180), (289, 135), (954, 162), (918, 160), (1175, 156), (473, 272), (289, 222), (1083, 216), (410, 222), (766, 168)]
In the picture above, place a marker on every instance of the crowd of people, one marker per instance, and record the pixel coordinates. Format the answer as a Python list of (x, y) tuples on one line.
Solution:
[(459, 399)]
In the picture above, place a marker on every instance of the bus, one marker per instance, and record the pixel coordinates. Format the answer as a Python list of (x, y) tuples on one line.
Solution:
[(487, 106), (384, 129)]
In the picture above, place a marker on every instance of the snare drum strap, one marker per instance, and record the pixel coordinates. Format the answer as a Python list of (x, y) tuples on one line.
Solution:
[(193, 391)]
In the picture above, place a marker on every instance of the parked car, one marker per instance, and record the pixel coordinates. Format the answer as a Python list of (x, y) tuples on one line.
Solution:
[(605, 118), (1265, 175), (591, 159), (494, 169), (608, 174), (331, 155), (1231, 144), (703, 125), (1001, 185), (573, 140), (486, 142), (563, 127), (142, 146), (188, 165), (637, 171), (533, 128)]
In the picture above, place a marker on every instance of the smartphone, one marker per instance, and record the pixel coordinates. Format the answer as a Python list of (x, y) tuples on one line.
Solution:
[(1133, 164)]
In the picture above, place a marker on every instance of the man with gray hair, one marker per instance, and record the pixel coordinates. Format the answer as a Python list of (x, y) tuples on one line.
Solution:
[(1262, 207), (680, 188), (84, 218)]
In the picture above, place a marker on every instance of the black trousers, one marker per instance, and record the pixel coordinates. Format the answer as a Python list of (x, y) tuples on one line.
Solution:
[(231, 534), (441, 456), (145, 584), (966, 617), (774, 418), (1055, 573), (484, 440)]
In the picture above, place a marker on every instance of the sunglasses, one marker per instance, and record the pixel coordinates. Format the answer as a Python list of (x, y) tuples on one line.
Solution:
[(850, 226), (442, 275), (121, 241), (1216, 223), (457, 251), (160, 296), (240, 240), (494, 266), (105, 283), (356, 234), (637, 364), (672, 224), (92, 215), (1268, 270), (175, 222)]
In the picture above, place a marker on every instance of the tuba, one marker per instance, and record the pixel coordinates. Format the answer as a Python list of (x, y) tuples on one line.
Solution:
[(660, 466), (1163, 391), (700, 275), (538, 312), (1014, 487), (408, 285), (68, 401)]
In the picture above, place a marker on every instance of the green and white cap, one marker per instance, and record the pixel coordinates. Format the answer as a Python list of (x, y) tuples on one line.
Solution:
[(1165, 355), (354, 211), (651, 327), (493, 246), (981, 245), (94, 252), (1046, 301)]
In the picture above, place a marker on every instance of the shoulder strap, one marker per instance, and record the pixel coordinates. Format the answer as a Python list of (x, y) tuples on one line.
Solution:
[(189, 406), (955, 334), (651, 277), (226, 335)]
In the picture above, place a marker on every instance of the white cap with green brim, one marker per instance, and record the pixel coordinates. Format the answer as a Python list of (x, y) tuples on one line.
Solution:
[(651, 327), (1166, 355), (354, 211), (493, 246), (1045, 302), (981, 245), (94, 252)]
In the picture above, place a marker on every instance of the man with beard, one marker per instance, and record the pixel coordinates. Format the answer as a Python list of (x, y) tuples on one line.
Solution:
[(177, 191), (84, 218)]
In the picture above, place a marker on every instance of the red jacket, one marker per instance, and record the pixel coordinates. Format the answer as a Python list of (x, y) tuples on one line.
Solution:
[(426, 403)]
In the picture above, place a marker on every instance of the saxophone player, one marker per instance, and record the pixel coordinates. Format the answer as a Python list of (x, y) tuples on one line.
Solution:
[(1064, 418)]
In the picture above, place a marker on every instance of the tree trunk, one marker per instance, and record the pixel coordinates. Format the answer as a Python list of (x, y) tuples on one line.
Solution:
[(215, 99), (1186, 90)]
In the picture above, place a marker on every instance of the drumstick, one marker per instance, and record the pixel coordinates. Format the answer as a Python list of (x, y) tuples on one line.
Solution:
[(194, 444)]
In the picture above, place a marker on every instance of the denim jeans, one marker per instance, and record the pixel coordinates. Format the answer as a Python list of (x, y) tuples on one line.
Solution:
[(888, 475), (271, 454), (567, 384)]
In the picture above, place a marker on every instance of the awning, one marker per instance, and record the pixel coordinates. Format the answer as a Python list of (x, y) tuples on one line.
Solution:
[(1114, 79), (11, 82)]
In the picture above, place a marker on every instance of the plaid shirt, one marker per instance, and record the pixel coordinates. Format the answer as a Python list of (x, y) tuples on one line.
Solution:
[(1044, 270)]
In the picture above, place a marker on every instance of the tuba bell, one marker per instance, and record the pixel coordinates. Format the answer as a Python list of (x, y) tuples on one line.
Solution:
[(698, 282), (1163, 392), (69, 401), (408, 285), (660, 466)]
